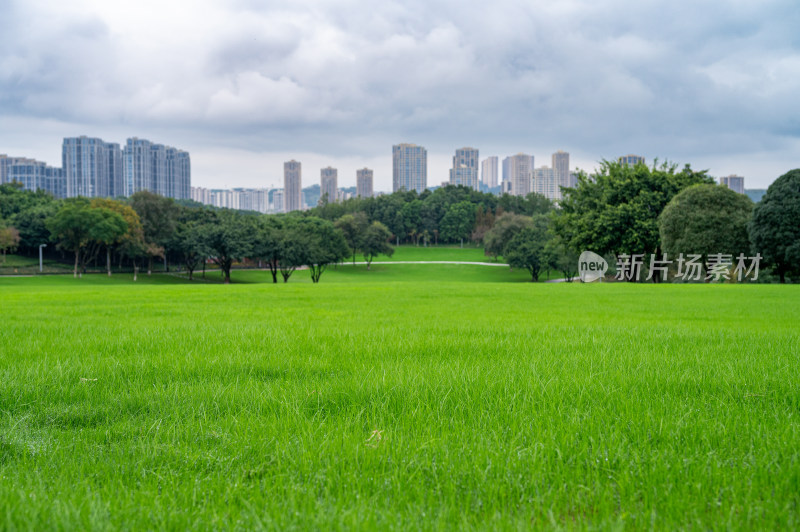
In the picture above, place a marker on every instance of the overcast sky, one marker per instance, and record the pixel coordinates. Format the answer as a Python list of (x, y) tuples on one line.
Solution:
[(244, 85)]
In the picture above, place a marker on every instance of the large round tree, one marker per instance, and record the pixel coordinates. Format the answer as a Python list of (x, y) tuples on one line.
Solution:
[(706, 220), (775, 227)]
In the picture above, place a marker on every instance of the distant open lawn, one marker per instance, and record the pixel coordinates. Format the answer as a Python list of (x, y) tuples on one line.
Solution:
[(397, 405), (469, 253), (18, 264)]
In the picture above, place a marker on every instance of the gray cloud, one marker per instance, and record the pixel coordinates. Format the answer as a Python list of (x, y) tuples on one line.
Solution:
[(684, 80)]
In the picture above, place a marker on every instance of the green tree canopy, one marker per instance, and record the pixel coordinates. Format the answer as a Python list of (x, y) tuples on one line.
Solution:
[(616, 210), (505, 227), (352, 227), (323, 245), (375, 241), (775, 227), (81, 229), (32, 223), (458, 222), (526, 249), (14, 199), (159, 217), (9, 240), (190, 241), (229, 238), (705, 219), (268, 243)]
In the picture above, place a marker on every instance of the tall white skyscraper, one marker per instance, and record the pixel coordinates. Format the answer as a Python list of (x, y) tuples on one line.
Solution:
[(465, 168), (329, 184), (409, 167), (518, 174), (489, 171), (364, 183), (292, 186)]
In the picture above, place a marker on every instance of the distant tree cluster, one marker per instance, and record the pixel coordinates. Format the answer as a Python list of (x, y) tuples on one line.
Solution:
[(631, 209), (663, 210), (147, 227)]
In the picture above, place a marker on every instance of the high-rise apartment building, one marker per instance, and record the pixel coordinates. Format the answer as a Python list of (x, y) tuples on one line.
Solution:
[(5, 163), (545, 183), (137, 166), (160, 176), (277, 200), (179, 173), (251, 199), (328, 185), (201, 195), (518, 174), (116, 183), (489, 171), (160, 169), (733, 182), (364, 183), (465, 168), (560, 160), (91, 167), (36, 175), (409, 167), (292, 186), (631, 160)]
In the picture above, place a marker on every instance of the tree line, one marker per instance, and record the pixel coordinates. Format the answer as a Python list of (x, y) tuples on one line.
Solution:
[(146, 227), (658, 209)]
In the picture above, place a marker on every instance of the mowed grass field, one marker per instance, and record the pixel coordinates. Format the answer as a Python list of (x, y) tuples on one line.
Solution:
[(372, 402)]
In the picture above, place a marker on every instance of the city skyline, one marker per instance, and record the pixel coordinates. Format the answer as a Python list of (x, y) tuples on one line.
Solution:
[(439, 168), (246, 86), (143, 165)]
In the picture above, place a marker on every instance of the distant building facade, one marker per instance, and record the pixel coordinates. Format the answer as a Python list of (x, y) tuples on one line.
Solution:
[(201, 195), (277, 201), (545, 183), (329, 184), (560, 160), (116, 172), (91, 167), (157, 168), (489, 171), (755, 194), (518, 174), (292, 186), (35, 175), (409, 167), (631, 160), (733, 182), (465, 168), (137, 166), (364, 183)]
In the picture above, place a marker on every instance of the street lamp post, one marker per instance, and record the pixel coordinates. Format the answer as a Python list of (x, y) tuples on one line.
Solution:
[(40, 256)]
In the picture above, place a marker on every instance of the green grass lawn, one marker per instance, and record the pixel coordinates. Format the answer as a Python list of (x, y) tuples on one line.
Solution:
[(469, 253), (379, 404), (411, 273), (21, 265)]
